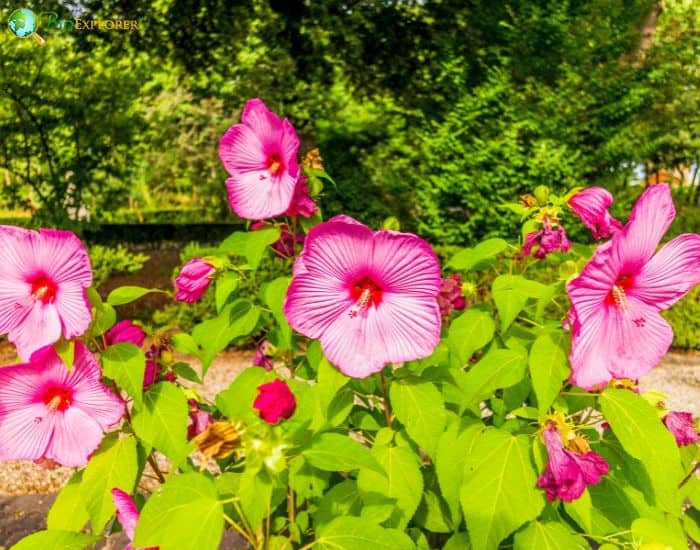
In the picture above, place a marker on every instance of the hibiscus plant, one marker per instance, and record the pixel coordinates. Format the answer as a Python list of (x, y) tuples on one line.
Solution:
[(393, 403)]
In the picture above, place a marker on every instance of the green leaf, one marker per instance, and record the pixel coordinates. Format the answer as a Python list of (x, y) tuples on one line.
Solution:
[(307, 481), (454, 447), (56, 540), (126, 294), (548, 535), (458, 541), (499, 368), (184, 343), (511, 292), (548, 367), (499, 492), (402, 481), (255, 492), (420, 408), (342, 499), (103, 318), (236, 320), (642, 434), (350, 533), (161, 421), (183, 370), (226, 285), (115, 464), (68, 511), (125, 363), (250, 244), (185, 515), (273, 296), (432, 514), (334, 452), (470, 258), (467, 333), (236, 402), (65, 349), (650, 533)]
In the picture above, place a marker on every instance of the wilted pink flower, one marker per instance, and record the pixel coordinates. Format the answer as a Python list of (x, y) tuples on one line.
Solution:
[(548, 240), (198, 420), (262, 357), (125, 331), (567, 472), (302, 204), (43, 277), (591, 205), (128, 516), (47, 411), (194, 278), (370, 298), (153, 367), (260, 154), (275, 401), (450, 297), (284, 246), (682, 426), (617, 331)]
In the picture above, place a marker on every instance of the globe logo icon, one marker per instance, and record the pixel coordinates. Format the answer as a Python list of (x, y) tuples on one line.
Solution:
[(23, 23)]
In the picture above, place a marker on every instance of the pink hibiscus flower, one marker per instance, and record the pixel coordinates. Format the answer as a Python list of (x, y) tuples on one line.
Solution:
[(275, 401), (128, 515), (591, 205), (682, 426), (193, 280), (370, 298), (47, 411), (260, 154), (548, 239), (617, 331), (567, 472), (43, 278)]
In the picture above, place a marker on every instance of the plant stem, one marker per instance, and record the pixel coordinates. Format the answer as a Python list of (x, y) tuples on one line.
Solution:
[(156, 469), (691, 473), (387, 411), (290, 506), (241, 531)]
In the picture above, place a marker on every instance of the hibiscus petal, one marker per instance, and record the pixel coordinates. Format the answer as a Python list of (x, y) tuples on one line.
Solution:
[(591, 288), (650, 219), (15, 303), (76, 435), (266, 124), (290, 147), (406, 264), (241, 150), (127, 513), (670, 274), (73, 309), (40, 327), (62, 256), (26, 431), (254, 195), (314, 303)]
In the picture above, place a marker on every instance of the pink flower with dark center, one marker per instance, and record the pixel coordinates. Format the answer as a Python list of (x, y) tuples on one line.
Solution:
[(260, 154), (125, 331), (682, 426), (275, 401), (302, 204), (43, 278), (591, 205), (194, 278), (47, 411), (617, 331), (567, 472), (128, 516), (450, 297), (198, 420), (547, 240), (262, 356), (369, 297)]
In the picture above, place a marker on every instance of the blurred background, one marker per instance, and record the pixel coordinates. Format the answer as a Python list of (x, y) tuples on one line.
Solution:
[(434, 112)]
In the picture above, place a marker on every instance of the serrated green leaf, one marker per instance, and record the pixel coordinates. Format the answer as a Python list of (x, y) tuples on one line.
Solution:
[(125, 363), (420, 408), (184, 515), (55, 540), (511, 292), (68, 511), (641, 433), (467, 333), (334, 452), (342, 499), (161, 421), (114, 465), (498, 369), (548, 535), (499, 491), (250, 244), (402, 481), (549, 366), (349, 533), (127, 294)]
